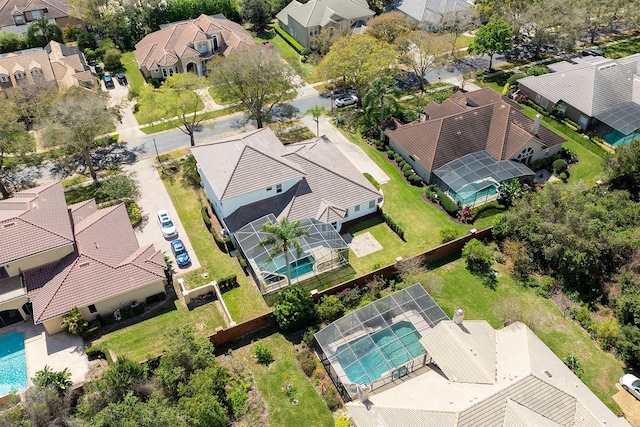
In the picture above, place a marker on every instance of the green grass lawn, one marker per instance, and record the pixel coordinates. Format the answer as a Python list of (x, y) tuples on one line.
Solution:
[(311, 410), (145, 338), (244, 302), (563, 336), (497, 81), (305, 70), (420, 220), (624, 48), (175, 123), (134, 76), (589, 167)]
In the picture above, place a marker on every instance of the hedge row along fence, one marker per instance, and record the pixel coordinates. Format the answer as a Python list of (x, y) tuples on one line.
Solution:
[(224, 244), (290, 40), (392, 224)]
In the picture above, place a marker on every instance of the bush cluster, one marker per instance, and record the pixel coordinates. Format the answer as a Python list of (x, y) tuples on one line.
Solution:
[(330, 308), (228, 282), (392, 225), (263, 354), (206, 217), (308, 362), (448, 234), (447, 204), (294, 44), (405, 167), (487, 206)]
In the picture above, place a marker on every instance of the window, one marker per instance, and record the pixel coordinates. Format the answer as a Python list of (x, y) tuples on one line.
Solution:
[(525, 155), (544, 102), (19, 19), (357, 208), (346, 213), (583, 122), (164, 72), (157, 70), (171, 71), (546, 152), (372, 204), (4, 79), (19, 76), (279, 188), (35, 14), (92, 309), (269, 188)]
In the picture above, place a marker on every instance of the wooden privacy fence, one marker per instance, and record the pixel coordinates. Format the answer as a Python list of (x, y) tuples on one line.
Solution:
[(225, 336)]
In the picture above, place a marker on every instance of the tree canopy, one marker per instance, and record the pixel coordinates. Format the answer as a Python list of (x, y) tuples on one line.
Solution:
[(492, 38), (423, 52), (14, 141), (359, 60), (389, 26), (258, 78), (281, 238)]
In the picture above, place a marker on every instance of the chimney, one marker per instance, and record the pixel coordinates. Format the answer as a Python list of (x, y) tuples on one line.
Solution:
[(458, 316), (536, 125)]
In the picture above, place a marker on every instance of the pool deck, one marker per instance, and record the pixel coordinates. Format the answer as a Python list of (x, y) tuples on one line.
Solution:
[(58, 351)]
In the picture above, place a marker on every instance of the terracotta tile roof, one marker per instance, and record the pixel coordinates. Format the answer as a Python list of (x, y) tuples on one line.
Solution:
[(101, 268), (468, 123), (9, 8), (314, 196), (20, 61), (168, 45), (34, 221)]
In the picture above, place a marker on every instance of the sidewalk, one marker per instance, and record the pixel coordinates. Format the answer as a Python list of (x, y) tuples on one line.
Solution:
[(359, 158)]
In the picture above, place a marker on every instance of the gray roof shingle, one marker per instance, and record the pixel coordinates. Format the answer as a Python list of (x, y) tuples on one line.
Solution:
[(430, 11), (322, 12)]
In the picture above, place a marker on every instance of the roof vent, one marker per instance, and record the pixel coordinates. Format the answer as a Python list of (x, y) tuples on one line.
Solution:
[(10, 224), (96, 243), (536, 125), (84, 264), (548, 374), (458, 133), (458, 316)]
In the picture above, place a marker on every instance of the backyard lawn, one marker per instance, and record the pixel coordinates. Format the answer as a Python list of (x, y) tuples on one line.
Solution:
[(311, 410), (145, 338), (305, 70), (589, 166), (134, 76), (563, 336), (244, 302), (420, 220)]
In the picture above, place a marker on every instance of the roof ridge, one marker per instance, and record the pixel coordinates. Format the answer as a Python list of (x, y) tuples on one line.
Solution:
[(43, 228), (226, 187), (507, 129), (98, 215), (69, 269), (313, 7), (333, 172), (141, 251)]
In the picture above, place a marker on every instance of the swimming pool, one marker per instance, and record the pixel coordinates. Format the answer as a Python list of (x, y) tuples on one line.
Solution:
[(365, 359), (298, 268), (13, 363)]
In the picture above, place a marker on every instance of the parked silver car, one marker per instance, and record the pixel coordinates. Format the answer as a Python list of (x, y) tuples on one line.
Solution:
[(345, 100), (631, 383), (167, 226)]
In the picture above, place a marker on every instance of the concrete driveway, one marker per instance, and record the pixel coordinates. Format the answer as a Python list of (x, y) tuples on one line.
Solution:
[(629, 405), (154, 197), (127, 129)]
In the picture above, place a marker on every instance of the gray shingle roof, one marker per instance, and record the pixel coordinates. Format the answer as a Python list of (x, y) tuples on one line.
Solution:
[(321, 167), (34, 221), (587, 86), (322, 12), (430, 11), (8, 9)]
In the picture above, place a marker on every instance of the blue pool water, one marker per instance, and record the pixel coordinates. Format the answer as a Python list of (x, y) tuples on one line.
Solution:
[(13, 363), (302, 266), (365, 359)]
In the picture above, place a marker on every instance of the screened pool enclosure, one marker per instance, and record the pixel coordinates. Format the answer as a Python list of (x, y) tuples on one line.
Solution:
[(322, 250), (475, 179), (379, 342)]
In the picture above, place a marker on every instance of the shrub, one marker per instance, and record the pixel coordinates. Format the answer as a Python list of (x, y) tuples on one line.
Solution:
[(263, 353), (403, 163), (448, 234), (560, 166), (342, 421), (563, 177), (46, 377), (308, 336), (205, 217), (581, 314), (73, 323), (397, 157), (514, 78), (228, 282), (573, 363), (331, 396), (308, 362), (606, 333), (112, 59), (293, 309), (294, 44), (390, 154), (628, 309), (330, 308), (70, 33), (351, 297), (392, 225), (408, 173), (90, 55), (415, 180), (156, 297), (487, 206), (306, 51), (477, 257), (372, 180), (628, 346), (537, 70), (449, 205), (87, 41), (117, 187)]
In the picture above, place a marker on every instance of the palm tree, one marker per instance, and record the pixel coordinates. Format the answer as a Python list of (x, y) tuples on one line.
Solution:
[(380, 94), (283, 237), (316, 111), (41, 32), (73, 323)]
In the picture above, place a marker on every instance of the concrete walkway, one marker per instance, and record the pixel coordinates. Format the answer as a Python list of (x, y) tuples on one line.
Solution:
[(207, 100), (359, 158)]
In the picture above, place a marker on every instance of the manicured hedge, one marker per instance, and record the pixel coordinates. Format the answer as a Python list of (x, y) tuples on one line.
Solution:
[(294, 44), (205, 217), (392, 225), (449, 205)]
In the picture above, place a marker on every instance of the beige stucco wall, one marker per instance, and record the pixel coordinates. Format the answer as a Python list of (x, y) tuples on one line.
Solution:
[(110, 305), (37, 260), (15, 303)]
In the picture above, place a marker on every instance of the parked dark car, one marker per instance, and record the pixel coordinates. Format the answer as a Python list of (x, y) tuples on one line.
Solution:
[(122, 79), (108, 82), (592, 52), (180, 252)]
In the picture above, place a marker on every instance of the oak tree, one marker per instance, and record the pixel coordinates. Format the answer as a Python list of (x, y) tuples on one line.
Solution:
[(492, 38)]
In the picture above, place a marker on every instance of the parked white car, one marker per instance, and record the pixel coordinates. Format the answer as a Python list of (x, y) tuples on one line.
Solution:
[(631, 383), (167, 226), (345, 100)]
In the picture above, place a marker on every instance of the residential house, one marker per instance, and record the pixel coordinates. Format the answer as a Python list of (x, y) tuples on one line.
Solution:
[(55, 65), (471, 143), (597, 93), (428, 14), (302, 21), (187, 46), (253, 178), (54, 257), (16, 15), (481, 376)]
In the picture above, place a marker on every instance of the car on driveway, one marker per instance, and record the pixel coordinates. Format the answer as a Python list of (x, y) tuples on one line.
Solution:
[(167, 226), (631, 383), (108, 82), (180, 253), (122, 79), (343, 101)]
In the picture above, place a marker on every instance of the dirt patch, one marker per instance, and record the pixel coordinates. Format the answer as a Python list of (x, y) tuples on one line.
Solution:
[(630, 406)]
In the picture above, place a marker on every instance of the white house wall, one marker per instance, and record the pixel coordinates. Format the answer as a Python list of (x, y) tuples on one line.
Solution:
[(15, 267), (232, 204)]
